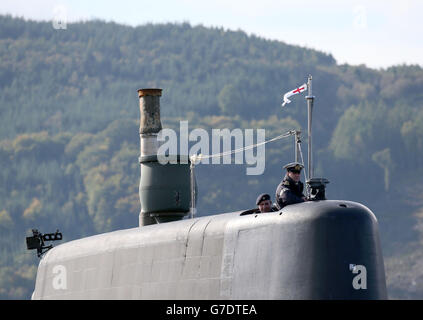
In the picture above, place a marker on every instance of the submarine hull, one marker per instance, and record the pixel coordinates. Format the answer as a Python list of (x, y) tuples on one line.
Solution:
[(314, 250)]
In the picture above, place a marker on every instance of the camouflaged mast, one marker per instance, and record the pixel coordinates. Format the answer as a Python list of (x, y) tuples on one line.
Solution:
[(326, 249)]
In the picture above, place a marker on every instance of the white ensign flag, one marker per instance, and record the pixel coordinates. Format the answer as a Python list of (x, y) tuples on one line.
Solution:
[(293, 92)]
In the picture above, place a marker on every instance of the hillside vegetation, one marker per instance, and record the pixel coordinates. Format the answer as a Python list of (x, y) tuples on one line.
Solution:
[(69, 142)]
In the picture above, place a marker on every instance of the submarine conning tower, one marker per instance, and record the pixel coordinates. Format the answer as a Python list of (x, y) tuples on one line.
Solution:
[(319, 249), (164, 187)]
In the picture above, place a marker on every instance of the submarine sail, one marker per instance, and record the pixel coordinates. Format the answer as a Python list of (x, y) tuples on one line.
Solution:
[(322, 249)]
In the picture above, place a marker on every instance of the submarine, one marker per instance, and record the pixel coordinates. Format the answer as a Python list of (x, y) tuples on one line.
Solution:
[(315, 250)]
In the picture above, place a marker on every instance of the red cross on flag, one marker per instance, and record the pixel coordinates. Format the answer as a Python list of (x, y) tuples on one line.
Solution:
[(293, 92)]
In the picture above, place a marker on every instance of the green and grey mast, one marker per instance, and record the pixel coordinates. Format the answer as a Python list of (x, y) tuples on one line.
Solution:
[(150, 126), (164, 188)]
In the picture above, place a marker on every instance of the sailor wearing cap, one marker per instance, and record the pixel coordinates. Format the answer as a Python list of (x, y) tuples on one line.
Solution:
[(264, 203), (290, 190)]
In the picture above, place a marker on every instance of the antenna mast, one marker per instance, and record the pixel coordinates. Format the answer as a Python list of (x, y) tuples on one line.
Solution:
[(310, 100)]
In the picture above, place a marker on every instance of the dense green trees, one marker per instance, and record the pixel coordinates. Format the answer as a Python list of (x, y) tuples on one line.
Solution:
[(69, 114)]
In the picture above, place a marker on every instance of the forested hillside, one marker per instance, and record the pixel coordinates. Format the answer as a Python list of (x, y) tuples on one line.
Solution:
[(69, 142)]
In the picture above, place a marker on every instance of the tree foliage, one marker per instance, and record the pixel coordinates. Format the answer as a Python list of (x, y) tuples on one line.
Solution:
[(69, 140)]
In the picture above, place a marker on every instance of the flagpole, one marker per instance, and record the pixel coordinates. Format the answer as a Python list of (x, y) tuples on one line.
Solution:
[(310, 100)]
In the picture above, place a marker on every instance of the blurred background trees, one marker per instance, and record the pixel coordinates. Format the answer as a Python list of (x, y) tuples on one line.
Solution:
[(69, 142)]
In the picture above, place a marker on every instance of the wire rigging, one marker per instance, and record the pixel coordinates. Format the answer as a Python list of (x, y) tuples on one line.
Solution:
[(195, 159)]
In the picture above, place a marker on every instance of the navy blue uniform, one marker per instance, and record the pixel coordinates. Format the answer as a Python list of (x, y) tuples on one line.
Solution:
[(289, 192)]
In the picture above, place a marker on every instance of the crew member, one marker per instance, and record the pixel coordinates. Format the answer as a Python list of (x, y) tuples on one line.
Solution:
[(264, 203), (290, 190)]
